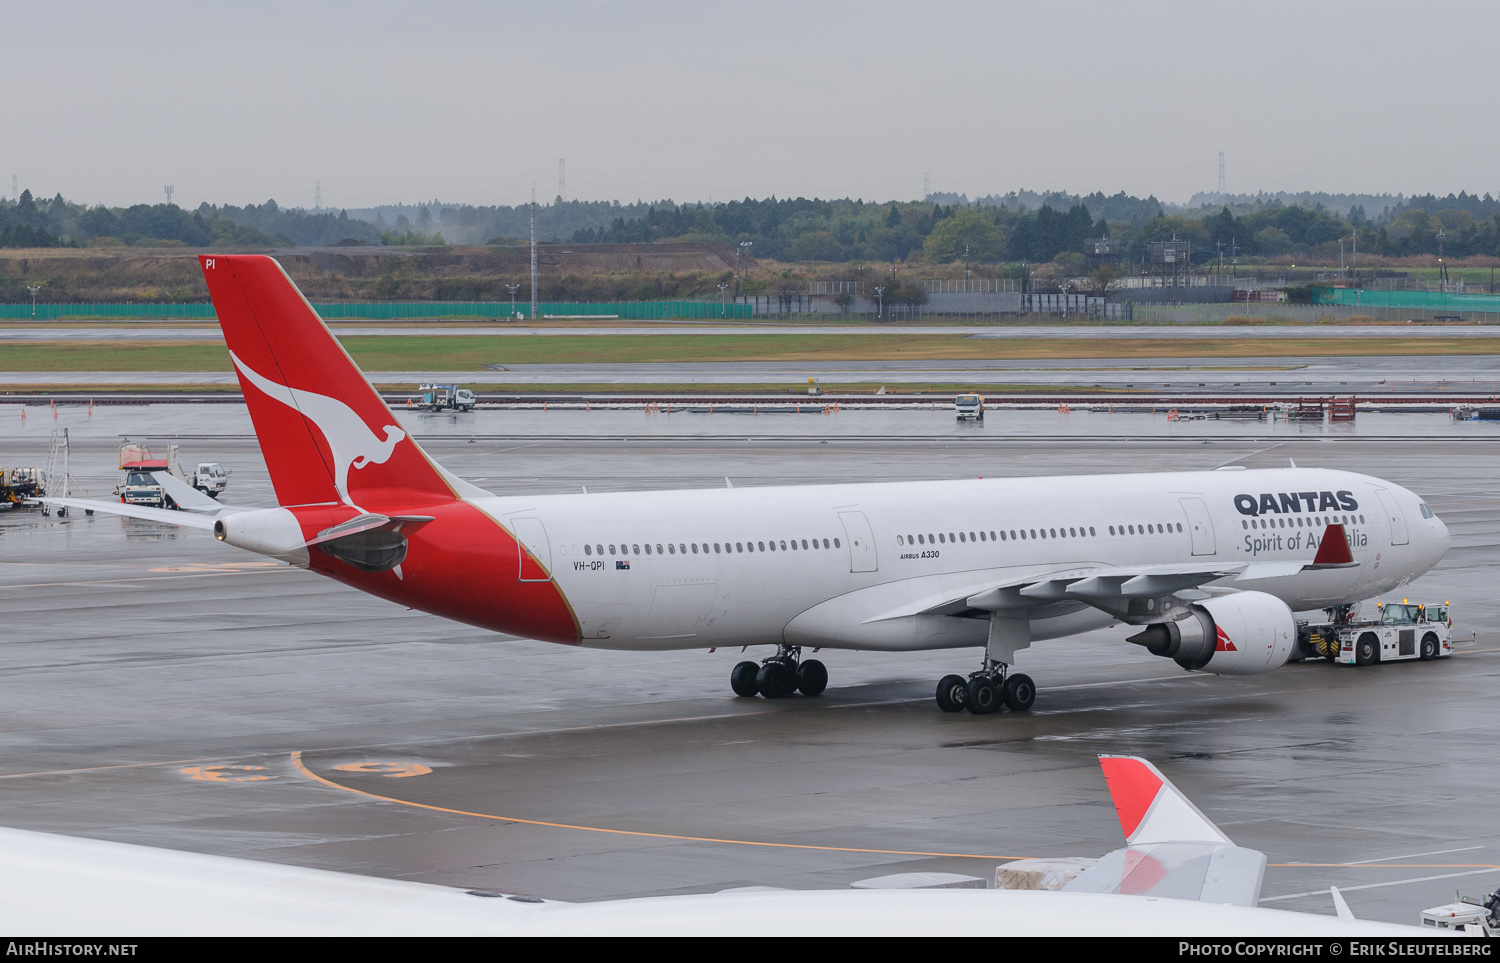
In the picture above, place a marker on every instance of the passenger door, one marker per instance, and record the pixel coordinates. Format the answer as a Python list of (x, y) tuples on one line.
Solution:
[(1201, 525), (1396, 517), (862, 557), (533, 549)]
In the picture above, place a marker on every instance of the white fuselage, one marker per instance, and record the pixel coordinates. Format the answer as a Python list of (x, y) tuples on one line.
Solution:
[(699, 568)]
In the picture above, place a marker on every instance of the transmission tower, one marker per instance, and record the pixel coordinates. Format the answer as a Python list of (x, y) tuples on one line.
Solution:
[(562, 176), (169, 189), (926, 190), (317, 195), (15, 189), (1222, 189)]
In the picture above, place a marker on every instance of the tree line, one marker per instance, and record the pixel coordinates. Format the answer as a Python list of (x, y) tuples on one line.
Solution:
[(991, 230), (843, 230)]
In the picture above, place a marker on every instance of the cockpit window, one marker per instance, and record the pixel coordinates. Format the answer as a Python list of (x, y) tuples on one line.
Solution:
[(1426, 512), (1394, 614)]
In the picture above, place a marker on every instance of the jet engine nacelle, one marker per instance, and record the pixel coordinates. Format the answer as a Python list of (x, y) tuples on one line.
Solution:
[(271, 531), (1241, 634)]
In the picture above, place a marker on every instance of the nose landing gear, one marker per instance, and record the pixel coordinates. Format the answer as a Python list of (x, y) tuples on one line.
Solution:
[(781, 675), (984, 691)]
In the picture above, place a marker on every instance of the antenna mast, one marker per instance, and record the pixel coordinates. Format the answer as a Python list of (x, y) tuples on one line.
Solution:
[(169, 189), (533, 255), (562, 176)]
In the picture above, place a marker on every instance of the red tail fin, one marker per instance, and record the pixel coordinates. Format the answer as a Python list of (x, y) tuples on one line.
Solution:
[(325, 433)]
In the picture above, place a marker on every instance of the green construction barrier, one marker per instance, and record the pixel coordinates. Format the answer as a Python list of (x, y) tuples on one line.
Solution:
[(1426, 300), (393, 310)]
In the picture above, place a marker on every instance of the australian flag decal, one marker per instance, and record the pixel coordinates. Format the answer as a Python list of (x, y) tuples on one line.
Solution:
[(621, 563)]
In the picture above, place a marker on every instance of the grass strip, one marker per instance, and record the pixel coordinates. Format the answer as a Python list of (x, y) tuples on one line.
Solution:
[(471, 353)]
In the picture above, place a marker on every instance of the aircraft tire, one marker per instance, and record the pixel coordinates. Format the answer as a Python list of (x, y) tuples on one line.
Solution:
[(983, 696), (776, 680), (742, 679), (812, 677), (1429, 648), (1020, 692), (952, 690), (1367, 649)]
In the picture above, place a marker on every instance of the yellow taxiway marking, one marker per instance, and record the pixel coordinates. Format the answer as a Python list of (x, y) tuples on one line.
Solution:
[(390, 770), (225, 773), (302, 768)]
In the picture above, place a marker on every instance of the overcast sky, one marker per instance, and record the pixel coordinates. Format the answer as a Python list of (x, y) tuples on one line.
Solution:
[(475, 102)]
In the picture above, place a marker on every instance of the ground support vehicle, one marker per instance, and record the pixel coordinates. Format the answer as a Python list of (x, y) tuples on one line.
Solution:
[(19, 484), (970, 407), (1477, 917), (211, 479), (1404, 630), (446, 398), (137, 484)]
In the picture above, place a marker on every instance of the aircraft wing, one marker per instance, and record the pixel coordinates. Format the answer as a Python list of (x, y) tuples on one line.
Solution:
[(1173, 849), (1102, 585)]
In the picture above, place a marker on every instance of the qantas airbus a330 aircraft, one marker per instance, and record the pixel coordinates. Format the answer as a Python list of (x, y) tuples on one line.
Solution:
[(1209, 565)]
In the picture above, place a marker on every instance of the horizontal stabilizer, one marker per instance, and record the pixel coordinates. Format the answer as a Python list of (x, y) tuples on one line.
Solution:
[(1208, 872), (166, 516), (186, 496)]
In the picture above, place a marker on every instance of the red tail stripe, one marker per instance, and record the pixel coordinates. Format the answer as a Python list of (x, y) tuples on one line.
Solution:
[(1132, 786)]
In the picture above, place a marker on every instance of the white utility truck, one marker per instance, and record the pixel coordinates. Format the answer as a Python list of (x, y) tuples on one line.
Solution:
[(970, 407), (447, 398), (211, 479)]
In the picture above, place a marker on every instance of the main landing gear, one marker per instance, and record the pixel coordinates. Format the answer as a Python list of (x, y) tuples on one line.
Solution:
[(780, 675), (984, 691)]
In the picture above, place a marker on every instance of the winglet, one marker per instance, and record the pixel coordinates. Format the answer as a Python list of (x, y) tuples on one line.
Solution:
[(1151, 809), (1341, 908), (1333, 550)]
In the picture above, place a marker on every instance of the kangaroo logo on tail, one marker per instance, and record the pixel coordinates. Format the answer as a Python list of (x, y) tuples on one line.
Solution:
[(352, 442)]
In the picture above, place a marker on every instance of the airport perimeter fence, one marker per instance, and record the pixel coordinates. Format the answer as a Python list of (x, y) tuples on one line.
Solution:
[(393, 311)]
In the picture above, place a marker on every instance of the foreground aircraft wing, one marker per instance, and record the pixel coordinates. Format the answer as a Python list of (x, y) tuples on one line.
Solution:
[(65, 886), (1174, 850)]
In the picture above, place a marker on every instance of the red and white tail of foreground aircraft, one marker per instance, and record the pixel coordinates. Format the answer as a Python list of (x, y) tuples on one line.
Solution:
[(1178, 875), (1208, 564)]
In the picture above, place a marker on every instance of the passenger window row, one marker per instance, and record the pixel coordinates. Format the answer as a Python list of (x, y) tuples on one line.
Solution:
[(706, 548), (1024, 534), (1318, 521)]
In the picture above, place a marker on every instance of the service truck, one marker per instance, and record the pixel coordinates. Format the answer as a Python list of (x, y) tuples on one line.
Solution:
[(1404, 630), (970, 407), (19, 484), (211, 479), (447, 398)]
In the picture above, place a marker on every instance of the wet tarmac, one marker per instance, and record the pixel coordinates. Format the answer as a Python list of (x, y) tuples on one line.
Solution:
[(162, 688)]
